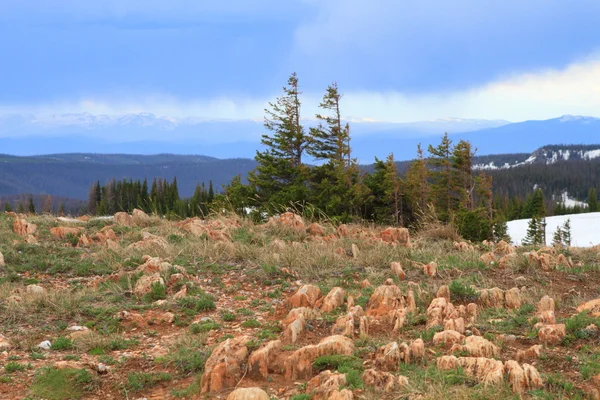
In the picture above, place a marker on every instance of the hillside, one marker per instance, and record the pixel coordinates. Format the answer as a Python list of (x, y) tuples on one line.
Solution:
[(584, 229)]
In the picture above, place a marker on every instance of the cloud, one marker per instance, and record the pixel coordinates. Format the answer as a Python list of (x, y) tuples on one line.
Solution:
[(542, 94)]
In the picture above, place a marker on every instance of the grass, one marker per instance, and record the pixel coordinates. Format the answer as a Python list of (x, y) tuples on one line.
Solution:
[(62, 343), (187, 354), (199, 303), (158, 291), (461, 292), (13, 366), (201, 327), (137, 381), (251, 323), (62, 384)]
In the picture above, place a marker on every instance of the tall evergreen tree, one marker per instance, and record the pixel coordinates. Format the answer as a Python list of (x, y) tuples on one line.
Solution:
[(280, 175), (393, 190), (30, 205), (441, 187), (566, 232), (416, 181), (462, 177), (593, 200)]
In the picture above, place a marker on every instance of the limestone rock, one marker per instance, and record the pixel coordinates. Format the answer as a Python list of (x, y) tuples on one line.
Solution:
[(2, 263), (306, 296), (315, 229), (546, 310), (488, 258), (299, 364), (592, 306), (140, 218), (447, 338), (333, 300), (485, 370), (552, 334), (386, 298), (438, 311), (532, 353), (455, 324), (430, 269), (223, 369), (443, 291), (478, 346), (35, 290), (513, 298), (144, 284), (261, 361), (522, 379), (325, 384), (23, 228), (294, 329), (400, 236), (63, 231), (123, 219), (388, 357), (463, 246), (411, 304), (382, 381), (355, 251), (248, 394), (396, 268), (344, 394), (492, 297)]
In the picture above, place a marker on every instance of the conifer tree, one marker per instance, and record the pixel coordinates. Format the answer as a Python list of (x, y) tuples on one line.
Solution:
[(416, 181), (393, 190), (280, 175), (462, 177), (441, 187), (501, 231), (566, 232), (31, 205), (557, 238), (534, 232), (593, 200)]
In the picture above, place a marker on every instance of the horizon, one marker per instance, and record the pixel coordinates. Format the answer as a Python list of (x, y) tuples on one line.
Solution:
[(493, 62)]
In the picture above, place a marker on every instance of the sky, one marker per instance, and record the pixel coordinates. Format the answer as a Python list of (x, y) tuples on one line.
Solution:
[(394, 60)]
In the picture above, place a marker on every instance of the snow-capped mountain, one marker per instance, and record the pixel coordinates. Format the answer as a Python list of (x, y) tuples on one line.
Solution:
[(546, 155)]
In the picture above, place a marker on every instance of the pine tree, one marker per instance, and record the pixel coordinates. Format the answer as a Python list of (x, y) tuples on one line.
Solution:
[(501, 231), (7, 207), (441, 187), (93, 195), (31, 205), (593, 200), (280, 175), (416, 182), (462, 177), (566, 232), (393, 190), (534, 232), (557, 238), (47, 205)]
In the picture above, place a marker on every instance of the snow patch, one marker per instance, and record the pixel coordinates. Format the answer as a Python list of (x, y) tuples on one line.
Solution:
[(584, 229)]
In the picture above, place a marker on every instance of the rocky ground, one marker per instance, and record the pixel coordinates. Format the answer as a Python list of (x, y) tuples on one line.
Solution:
[(135, 307)]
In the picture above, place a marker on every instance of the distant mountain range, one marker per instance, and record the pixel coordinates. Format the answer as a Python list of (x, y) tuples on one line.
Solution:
[(148, 134)]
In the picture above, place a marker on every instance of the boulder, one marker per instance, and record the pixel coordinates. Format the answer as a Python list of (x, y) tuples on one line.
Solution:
[(299, 364), (355, 251), (430, 269), (123, 219), (522, 378), (35, 290), (2, 263), (546, 310), (463, 246), (63, 231), (443, 291), (325, 384), (346, 324), (488, 258), (411, 304), (386, 298), (438, 311), (382, 381), (400, 236), (485, 370), (532, 353), (261, 361), (388, 357), (150, 242), (397, 270), (248, 394), (224, 367), (23, 228), (315, 229), (294, 329), (513, 298), (492, 297), (447, 338), (563, 261), (592, 306), (306, 296), (306, 312), (478, 346), (144, 284), (455, 324), (552, 334), (140, 218), (333, 300), (503, 248)]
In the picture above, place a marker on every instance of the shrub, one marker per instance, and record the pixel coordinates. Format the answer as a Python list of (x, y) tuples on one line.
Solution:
[(62, 343), (460, 291), (251, 323), (203, 302), (158, 291)]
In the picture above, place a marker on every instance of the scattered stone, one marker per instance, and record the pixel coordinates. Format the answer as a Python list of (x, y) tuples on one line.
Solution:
[(315, 229), (45, 345), (388, 357), (333, 300), (62, 232), (325, 384), (485, 370), (261, 361), (552, 334), (492, 297), (463, 246), (35, 290), (447, 338), (396, 268), (144, 284), (513, 298), (23, 228), (4, 343), (477, 346), (306, 296), (382, 381), (400, 236), (355, 251), (299, 364), (2, 263), (444, 291), (123, 219), (532, 353), (523, 378), (430, 269), (140, 218), (223, 369), (248, 394), (386, 298), (592, 306)]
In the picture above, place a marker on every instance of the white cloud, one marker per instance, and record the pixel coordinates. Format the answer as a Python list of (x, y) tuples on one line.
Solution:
[(535, 95)]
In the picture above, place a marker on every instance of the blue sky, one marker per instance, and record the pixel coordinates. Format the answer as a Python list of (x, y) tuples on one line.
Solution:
[(396, 60)]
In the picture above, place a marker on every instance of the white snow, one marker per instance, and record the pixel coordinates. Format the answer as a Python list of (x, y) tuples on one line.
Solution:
[(570, 202), (585, 229)]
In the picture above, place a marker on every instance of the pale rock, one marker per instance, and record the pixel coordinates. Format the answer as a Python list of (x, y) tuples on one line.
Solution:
[(123, 219), (144, 284), (552, 334), (400, 236), (411, 304), (261, 361), (140, 218), (522, 379), (485, 370), (443, 291), (430, 269), (224, 367), (248, 394), (396, 268), (492, 297), (592, 306), (325, 384), (447, 338), (45, 345), (315, 229), (477, 346), (2, 263), (455, 324), (513, 298), (333, 300), (35, 290), (386, 298), (306, 296), (355, 251), (532, 353), (382, 381), (388, 357), (299, 364)]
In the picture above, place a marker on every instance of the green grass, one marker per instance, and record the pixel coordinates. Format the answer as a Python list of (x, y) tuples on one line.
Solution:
[(158, 291), (203, 302), (251, 323), (62, 384), (62, 343), (337, 362), (228, 316), (460, 291), (137, 381), (13, 366), (201, 327)]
